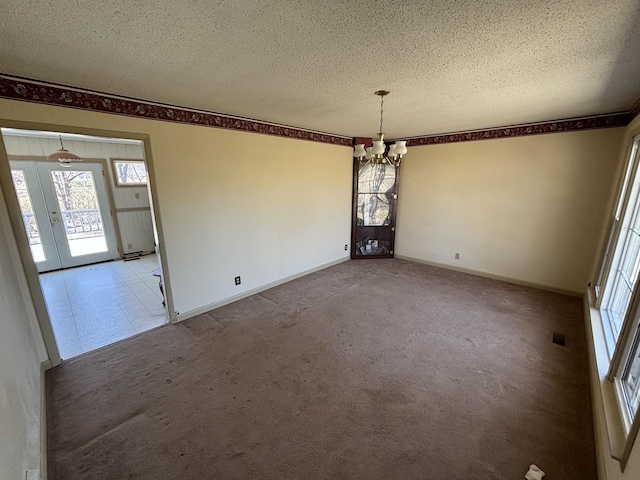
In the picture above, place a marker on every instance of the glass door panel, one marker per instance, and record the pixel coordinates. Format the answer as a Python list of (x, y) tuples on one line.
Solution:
[(79, 212), (35, 215), (376, 178), (79, 209), (374, 209), (65, 212), (28, 217)]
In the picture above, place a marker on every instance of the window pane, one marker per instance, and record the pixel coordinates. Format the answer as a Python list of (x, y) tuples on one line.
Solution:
[(617, 307), (130, 173), (28, 217), (624, 271), (80, 211), (631, 378)]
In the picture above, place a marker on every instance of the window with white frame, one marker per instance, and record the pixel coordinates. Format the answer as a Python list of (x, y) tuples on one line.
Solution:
[(132, 173), (618, 297)]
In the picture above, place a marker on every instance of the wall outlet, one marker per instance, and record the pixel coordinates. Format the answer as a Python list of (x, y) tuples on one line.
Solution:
[(137, 195), (237, 280), (457, 256), (129, 246), (346, 247)]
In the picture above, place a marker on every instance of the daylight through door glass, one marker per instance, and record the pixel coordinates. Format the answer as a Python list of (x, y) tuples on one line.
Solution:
[(79, 211), (28, 218)]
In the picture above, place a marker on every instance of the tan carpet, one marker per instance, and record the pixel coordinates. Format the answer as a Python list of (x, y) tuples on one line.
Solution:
[(367, 370)]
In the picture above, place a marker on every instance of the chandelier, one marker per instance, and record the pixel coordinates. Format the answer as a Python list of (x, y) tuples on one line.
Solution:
[(376, 153)]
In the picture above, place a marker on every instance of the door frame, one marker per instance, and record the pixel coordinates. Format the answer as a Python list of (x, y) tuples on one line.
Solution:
[(15, 217)]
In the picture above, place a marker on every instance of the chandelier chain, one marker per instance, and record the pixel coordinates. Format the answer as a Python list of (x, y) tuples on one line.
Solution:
[(381, 110)]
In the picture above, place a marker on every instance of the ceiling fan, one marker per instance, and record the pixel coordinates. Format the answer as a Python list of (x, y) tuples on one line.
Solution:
[(64, 156)]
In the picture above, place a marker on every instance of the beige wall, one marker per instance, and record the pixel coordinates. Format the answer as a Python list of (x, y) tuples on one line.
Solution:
[(529, 209), (232, 203), (259, 207), (21, 353)]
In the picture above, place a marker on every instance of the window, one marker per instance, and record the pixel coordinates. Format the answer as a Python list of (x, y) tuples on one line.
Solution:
[(129, 173), (618, 295), (621, 274)]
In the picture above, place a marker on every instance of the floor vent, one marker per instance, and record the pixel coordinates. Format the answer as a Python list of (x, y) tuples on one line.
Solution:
[(558, 339)]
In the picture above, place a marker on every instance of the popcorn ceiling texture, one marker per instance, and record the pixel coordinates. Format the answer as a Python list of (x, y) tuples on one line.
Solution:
[(311, 64)]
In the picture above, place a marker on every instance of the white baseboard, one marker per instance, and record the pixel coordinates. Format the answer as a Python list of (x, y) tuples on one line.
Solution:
[(478, 273), (206, 308)]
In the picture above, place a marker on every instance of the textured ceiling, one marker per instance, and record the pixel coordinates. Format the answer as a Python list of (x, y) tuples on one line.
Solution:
[(314, 64)]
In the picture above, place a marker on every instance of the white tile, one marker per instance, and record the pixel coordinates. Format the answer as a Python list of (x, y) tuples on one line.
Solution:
[(97, 305)]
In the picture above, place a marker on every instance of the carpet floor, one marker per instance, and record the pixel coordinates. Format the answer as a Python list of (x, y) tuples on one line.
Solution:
[(381, 369)]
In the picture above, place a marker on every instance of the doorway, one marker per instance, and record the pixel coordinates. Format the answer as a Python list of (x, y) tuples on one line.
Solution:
[(91, 235)]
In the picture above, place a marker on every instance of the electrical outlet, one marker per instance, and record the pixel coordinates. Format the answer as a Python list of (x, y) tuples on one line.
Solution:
[(137, 195), (129, 246), (346, 247), (457, 256), (237, 280)]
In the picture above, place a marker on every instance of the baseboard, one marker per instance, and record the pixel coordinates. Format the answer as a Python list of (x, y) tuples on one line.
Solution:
[(478, 273), (44, 366), (206, 308)]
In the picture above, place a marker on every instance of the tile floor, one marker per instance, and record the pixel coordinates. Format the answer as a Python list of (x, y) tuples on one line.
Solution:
[(96, 305)]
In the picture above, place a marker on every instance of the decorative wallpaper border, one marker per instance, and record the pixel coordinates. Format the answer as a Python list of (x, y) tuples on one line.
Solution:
[(30, 91), (585, 123)]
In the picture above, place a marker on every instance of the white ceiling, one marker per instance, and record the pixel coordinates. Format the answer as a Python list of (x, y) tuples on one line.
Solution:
[(314, 64)]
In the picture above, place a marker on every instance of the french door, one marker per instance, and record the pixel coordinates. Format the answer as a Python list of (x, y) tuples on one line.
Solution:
[(65, 213)]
